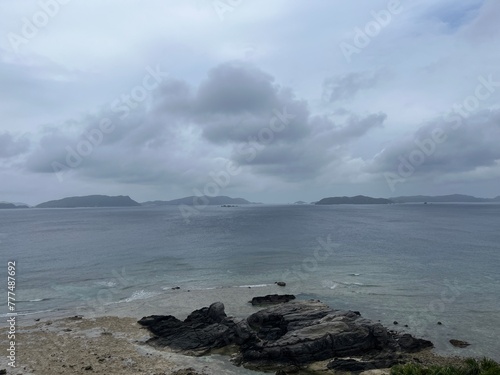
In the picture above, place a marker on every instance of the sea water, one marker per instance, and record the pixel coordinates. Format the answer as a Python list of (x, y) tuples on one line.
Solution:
[(413, 264)]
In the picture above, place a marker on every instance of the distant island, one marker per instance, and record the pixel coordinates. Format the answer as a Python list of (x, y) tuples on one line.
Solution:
[(358, 199), (91, 201), (453, 198), (5, 205), (195, 200)]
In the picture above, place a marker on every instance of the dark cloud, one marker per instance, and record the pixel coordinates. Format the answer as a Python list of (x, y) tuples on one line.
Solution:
[(463, 148), (11, 146), (236, 88), (181, 133), (308, 158)]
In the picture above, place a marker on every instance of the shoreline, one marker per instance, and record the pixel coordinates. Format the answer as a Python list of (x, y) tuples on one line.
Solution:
[(114, 343), (117, 345), (181, 302)]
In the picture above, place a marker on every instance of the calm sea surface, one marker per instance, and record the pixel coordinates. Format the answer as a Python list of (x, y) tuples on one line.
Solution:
[(415, 264)]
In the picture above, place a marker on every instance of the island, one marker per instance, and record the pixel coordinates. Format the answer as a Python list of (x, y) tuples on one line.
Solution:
[(91, 201), (358, 199), (195, 200), (5, 205), (453, 198)]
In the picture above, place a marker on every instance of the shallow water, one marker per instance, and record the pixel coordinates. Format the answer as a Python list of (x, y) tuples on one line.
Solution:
[(415, 264)]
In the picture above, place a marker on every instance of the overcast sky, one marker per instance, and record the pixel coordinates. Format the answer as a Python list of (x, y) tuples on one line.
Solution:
[(272, 101)]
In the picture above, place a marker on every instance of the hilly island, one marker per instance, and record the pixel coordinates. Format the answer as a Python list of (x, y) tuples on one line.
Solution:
[(90, 201), (359, 199)]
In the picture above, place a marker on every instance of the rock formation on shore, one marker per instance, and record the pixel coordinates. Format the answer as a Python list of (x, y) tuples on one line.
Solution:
[(293, 334)]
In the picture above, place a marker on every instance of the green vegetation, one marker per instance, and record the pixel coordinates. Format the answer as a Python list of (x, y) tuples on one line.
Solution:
[(470, 367)]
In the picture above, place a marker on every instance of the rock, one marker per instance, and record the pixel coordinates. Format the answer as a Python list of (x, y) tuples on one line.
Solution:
[(88, 368), (395, 323), (459, 343), (280, 372), (309, 332), (187, 371), (357, 366), (439, 323), (3, 372), (272, 299), (410, 344), (176, 288), (280, 283), (289, 334), (203, 330)]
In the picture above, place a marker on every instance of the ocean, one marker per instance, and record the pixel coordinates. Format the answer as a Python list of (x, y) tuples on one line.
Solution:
[(413, 264)]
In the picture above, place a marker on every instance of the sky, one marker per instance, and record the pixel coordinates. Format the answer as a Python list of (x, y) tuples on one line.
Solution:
[(273, 101)]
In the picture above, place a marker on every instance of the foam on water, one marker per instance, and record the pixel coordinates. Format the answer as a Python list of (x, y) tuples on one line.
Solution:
[(140, 295)]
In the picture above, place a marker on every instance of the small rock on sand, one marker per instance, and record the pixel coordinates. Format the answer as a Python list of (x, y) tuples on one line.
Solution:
[(459, 343)]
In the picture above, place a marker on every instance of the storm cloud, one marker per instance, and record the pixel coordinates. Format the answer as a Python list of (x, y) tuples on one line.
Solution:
[(180, 128)]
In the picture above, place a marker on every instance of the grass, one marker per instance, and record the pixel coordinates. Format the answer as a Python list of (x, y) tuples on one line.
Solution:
[(470, 367)]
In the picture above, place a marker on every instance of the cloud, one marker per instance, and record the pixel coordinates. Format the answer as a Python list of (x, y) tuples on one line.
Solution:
[(472, 146), (181, 133), (236, 88), (11, 146), (348, 85)]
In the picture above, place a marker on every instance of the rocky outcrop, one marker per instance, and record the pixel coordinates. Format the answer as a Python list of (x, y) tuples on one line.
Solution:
[(203, 330), (294, 333), (272, 299)]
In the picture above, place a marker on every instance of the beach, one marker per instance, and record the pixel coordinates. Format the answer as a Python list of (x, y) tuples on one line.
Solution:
[(116, 344)]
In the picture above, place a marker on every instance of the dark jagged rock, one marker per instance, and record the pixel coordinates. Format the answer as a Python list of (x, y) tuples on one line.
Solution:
[(410, 344), (272, 299), (280, 283), (203, 330), (308, 332), (290, 334)]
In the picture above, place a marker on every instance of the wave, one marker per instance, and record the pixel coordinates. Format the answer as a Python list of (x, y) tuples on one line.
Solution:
[(253, 286), (107, 284), (34, 300), (27, 313), (140, 294), (354, 274), (357, 284)]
